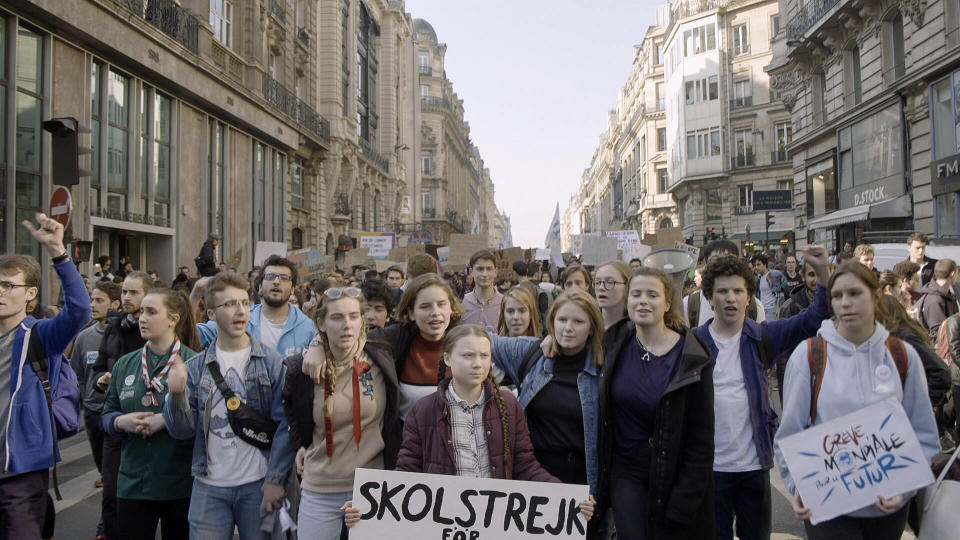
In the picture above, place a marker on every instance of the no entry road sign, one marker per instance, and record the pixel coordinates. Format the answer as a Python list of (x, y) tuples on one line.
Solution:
[(61, 205)]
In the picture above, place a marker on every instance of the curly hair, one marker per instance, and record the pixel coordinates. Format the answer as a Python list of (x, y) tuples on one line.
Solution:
[(727, 266), (475, 330), (405, 307)]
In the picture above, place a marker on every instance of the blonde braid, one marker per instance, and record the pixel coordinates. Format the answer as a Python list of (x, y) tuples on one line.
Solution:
[(505, 422), (330, 374)]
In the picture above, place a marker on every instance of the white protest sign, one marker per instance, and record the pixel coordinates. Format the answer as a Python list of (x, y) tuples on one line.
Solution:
[(598, 250), (443, 258), (263, 250), (379, 244), (542, 255), (685, 246), (635, 251), (844, 464), (624, 237), (409, 506)]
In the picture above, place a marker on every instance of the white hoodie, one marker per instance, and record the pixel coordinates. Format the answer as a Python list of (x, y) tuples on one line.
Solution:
[(851, 382)]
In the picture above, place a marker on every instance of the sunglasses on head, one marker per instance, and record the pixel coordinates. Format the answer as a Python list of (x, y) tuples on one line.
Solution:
[(336, 292)]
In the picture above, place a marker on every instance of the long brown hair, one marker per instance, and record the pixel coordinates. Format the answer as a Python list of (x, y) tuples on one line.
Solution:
[(672, 317), (588, 304), (523, 296), (898, 320), (868, 278), (449, 342), (177, 301), (420, 283), (330, 367)]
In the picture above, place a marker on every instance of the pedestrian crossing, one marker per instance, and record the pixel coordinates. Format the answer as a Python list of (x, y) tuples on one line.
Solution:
[(79, 487)]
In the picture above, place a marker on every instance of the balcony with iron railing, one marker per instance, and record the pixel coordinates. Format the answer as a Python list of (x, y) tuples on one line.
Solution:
[(779, 156), (303, 36), (429, 213), (277, 10), (688, 8), (169, 18), (745, 101), (289, 104), (426, 70), (371, 154), (742, 160), (808, 16), (435, 102)]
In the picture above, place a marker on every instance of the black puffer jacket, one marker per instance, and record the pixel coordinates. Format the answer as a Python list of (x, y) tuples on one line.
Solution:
[(681, 496), (298, 395), (121, 337)]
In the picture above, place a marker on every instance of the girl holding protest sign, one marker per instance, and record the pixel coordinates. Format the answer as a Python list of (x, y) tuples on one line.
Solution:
[(154, 483), (656, 407), (860, 368), (347, 420), (438, 434)]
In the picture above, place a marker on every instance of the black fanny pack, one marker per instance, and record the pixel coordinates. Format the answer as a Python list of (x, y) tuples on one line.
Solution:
[(245, 421)]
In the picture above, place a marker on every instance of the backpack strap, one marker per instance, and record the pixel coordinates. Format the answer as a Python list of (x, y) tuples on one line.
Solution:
[(528, 360), (899, 352), (38, 361), (693, 308), (222, 385), (817, 360)]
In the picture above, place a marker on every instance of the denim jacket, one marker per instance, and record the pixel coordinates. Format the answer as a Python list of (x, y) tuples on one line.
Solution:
[(189, 416), (508, 354)]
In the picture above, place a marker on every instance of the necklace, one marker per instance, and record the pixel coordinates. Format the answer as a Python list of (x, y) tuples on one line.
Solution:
[(646, 353)]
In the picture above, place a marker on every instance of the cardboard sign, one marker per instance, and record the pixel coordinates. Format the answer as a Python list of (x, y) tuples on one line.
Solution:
[(692, 249), (668, 238), (403, 253), (356, 257), (265, 249), (383, 265), (506, 258), (463, 246), (379, 244), (844, 464), (598, 250), (409, 506)]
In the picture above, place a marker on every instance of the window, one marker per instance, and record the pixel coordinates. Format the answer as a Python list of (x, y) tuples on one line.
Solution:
[(703, 143), (658, 93), (296, 238), (643, 149), (774, 26), (658, 53), (661, 139), (259, 191), (217, 179), (871, 151), (278, 190), (712, 82), (367, 34), (424, 90), (296, 182), (345, 57), (743, 146), (221, 20), (423, 59), (662, 180), (894, 47), (741, 42), (745, 195), (851, 77), (942, 116), (95, 115), (426, 162), (821, 188), (784, 134), (118, 103), (783, 185), (160, 117), (701, 90), (29, 111), (742, 95), (820, 97), (699, 40), (426, 199)]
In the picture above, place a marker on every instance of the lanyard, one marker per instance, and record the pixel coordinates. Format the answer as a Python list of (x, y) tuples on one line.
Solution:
[(156, 383)]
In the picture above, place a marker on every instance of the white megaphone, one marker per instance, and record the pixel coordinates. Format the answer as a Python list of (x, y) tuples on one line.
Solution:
[(675, 263)]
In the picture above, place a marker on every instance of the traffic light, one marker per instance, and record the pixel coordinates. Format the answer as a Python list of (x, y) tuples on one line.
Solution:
[(770, 220), (66, 150), (711, 235)]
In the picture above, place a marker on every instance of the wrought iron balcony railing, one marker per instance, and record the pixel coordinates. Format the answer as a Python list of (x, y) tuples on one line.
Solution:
[(742, 160), (812, 12), (169, 18), (426, 70), (289, 104), (429, 213), (434, 101), (743, 210), (745, 101), (779, 156), (371, 153)]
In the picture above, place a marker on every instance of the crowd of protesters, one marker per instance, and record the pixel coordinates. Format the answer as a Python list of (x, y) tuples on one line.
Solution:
[(224, 403)]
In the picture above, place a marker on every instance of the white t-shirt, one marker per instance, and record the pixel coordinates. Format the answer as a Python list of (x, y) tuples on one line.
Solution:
[(231, 461), (767, 298), (706, 310), (270, 333), (734, 450)]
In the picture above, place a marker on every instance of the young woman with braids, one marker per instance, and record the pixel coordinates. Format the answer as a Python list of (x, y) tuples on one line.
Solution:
[(656, 410), (154, 483), (438, 433), (346, 420)]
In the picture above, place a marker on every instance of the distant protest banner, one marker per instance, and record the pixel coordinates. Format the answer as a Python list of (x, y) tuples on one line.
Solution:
[(409, 506), (263, 250), (379, 244), (506, 258), (463, 246), (598, 250), (844, 464), (443, 258), (356, 257)]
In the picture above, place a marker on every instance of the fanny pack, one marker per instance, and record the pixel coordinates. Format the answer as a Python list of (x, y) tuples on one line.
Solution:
[(245, 421)]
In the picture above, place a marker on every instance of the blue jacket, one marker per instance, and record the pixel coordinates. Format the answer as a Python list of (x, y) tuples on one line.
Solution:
[(189, 418), (508, 354), (783, 336), (298, 331), (29, 442)]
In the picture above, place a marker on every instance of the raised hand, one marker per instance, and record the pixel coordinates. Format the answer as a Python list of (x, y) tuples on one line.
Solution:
[(816, 256), (49, 233), (177, 376), (104, 381)]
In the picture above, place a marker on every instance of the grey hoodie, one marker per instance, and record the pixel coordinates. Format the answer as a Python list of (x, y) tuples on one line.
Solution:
[(850, 383)]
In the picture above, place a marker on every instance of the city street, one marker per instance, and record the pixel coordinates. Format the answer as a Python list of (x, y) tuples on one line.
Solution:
[(79, 511)]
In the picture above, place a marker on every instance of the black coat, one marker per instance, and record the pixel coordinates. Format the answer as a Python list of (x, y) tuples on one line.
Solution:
[(207, 260), (681, 492), (120, 337), (298, 395)]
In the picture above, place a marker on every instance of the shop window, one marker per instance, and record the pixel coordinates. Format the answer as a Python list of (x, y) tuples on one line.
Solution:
[(29, 113), (821, 188), (945, 130)]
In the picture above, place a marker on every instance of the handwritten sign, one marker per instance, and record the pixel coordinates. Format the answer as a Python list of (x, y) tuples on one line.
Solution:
[(692, 249), (624, 237), (379, 244), (401, 505), (443, 258), (844, 464)]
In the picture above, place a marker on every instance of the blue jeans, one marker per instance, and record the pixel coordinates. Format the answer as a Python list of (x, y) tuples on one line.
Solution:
[(320, 515), (745, 495), (214, 511)]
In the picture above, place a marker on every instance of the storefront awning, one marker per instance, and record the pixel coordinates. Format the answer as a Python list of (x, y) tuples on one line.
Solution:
[(898, 207), (758, 236)]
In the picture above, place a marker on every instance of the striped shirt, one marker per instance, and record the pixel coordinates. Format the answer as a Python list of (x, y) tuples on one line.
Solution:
[(469, 438)]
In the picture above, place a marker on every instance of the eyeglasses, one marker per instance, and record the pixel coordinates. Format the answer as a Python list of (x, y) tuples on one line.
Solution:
[(7, 286), (274, 277), (608, 283), (336, 292), (232, 304)]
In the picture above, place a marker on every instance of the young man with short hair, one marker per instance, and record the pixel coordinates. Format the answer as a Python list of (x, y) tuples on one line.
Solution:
[(864, 255), (802, 296), (28, 441), (744, 351), (635, 264), (917, 249), (482, 304), (769, 285), (938, 301), (696, 308), (273, 322), (232, 477), (378, 306), (394, 277)]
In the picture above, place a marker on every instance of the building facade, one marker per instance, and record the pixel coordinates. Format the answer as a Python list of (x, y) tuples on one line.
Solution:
[(874, 93), (727, 133)]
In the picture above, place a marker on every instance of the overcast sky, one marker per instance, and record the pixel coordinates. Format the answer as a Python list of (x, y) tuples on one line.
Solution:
[(537, 78)]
